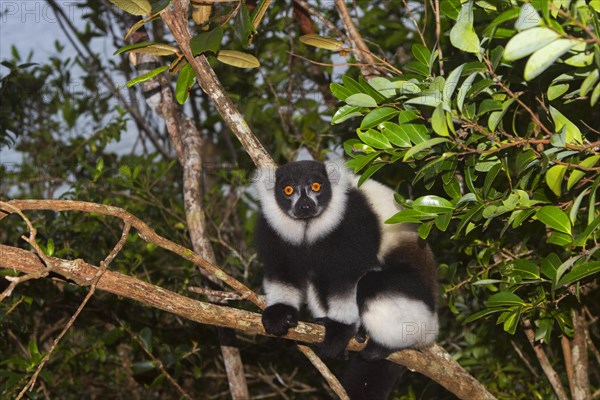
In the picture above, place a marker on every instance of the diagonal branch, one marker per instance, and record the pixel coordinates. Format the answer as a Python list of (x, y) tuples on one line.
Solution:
[(433, 362), (177, 22)]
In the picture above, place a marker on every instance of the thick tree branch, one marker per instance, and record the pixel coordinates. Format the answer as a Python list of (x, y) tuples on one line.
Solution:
[(433, 362), (177, 22), (581, 382), (145, 232)]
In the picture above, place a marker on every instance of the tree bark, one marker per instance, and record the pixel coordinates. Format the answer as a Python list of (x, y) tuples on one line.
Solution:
[(433, 362), (177, 22)]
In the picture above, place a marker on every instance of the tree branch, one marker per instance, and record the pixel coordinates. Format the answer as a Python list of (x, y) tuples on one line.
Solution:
[(359, 48), (550, 373), (177, 22), (433, 362)]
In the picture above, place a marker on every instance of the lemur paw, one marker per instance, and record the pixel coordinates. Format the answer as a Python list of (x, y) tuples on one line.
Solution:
[(374, 351), (279, 318), (336, 339)]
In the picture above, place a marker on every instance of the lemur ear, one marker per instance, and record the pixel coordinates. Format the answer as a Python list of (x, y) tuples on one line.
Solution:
[(263, 180), (337, 172)]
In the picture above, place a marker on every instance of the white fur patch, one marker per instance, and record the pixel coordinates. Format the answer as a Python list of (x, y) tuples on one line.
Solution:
[(290, 229), (314, 303), (399, 322), (381, 199), (300, 231), (277, 292), (343, 308)]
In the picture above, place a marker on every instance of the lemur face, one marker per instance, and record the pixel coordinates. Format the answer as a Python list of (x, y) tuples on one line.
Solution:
[(302, 189)]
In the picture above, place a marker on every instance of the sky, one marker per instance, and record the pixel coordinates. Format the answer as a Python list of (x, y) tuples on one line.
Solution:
[(31, 26)]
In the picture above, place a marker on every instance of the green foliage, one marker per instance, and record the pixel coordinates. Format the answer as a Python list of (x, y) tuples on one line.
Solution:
[(489, 135), (513, 165)]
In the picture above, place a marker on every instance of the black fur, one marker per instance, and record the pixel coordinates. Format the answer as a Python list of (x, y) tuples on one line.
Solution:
[(343, 261)]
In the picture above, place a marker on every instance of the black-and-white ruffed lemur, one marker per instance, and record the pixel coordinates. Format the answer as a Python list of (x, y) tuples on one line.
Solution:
[(323, 243)]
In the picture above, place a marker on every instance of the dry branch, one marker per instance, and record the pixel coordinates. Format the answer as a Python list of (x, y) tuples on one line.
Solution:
[(433, 362), (177, 22)]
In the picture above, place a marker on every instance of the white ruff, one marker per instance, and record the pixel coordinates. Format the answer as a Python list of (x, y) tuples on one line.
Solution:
[(399, 322), (299, 231)]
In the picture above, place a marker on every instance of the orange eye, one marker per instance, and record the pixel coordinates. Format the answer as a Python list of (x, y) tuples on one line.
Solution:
[(316, 186), (288, 190)]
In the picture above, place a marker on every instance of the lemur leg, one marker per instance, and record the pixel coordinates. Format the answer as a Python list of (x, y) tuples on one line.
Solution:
[(396, 311)]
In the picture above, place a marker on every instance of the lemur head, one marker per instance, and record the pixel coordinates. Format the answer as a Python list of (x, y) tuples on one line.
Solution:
[(303, 200), (302, 189)]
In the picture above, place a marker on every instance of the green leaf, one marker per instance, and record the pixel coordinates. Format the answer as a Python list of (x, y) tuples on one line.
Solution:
[(579, 272), (405, 87), (361, 161), (512, 321), (134, 7), (424, 229), (50, 247), (139, 47), (396, 134), (238, 59), (576, 175), (423, 146), (409, 215), (555, 91), (432, 204), (549, 266), (383, 86), (545, 57), (525, 43), (147, 76), (450, 8), (595, 95), (591, 228), (497, 116), (438, 121), (243, 28), (377, 116), (361, 100), (573, 134), (588, 82), (490, 177), (374, 139), (464, 88), (525, 268), (340, 91), (452, 82), (207, 41), (576, 204), (321, 42), (429, 98), (185, 81), (504, 298), (481, 314), (344, 113), (421, 54), (462, 34), (370, 172), (555, 218), (554, 178), (528, 18), (442, 221)]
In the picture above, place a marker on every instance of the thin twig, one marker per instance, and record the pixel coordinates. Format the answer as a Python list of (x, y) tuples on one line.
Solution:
[(549, 371), (158, 363), (103, 266)]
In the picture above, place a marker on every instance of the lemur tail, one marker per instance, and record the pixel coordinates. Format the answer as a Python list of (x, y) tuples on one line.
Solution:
[(370, 380)]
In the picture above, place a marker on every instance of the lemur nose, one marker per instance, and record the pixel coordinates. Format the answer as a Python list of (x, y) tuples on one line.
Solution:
[(305, 206)]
